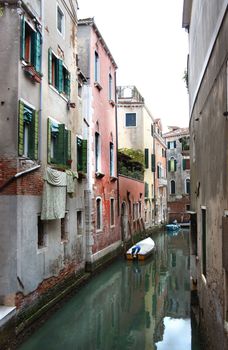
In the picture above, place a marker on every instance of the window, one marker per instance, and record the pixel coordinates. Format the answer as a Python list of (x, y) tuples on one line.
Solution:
[(153, 163), (81, 155), (204, 245), (172, 164), (97, 68), (99, 213), (187, 207), (187, 186), (186, 164), (146, 157), (28, 129), (97, 152), (159, 171), (171, 144), (41, 237), (79, 222), (112, 212), (172, 187), (58, 75), (60, 20), (110, 87), (152, 130), (64, 233), (163, 153), (59, 143), (130, 119), (30, 45), (146, 189), (111, 159)]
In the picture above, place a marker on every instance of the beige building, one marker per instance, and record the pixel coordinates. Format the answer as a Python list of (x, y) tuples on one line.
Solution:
[(207, 24), (136, 131)]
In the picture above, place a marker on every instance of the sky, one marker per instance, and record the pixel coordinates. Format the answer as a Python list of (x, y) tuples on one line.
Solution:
[(150, 47)]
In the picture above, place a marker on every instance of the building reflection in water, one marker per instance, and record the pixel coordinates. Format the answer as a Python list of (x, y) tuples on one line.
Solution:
[(128, 306)]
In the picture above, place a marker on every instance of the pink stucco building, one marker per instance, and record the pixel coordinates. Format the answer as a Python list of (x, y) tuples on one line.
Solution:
[(99, 67), (132, 206)]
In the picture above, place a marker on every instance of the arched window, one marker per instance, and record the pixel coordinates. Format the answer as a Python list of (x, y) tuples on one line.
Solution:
[(187, 186), (172, 164), (172, 187)]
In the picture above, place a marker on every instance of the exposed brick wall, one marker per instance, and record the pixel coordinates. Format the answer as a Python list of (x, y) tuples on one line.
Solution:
[(22, 301), (28, 184), (177, 210)]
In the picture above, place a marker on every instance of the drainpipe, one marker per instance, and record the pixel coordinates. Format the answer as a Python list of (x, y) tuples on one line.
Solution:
[(41, 83), (16, 176), (117, 168)]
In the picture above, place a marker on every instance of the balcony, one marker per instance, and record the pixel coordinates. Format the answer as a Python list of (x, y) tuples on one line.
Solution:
[(162, 182)]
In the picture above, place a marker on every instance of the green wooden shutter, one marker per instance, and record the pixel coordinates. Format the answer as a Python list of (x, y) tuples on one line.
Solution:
[(50, 66), (184, 164), (175, 144), (67, 147), (60, 76), (49, 140), (146, 154), (79, 154), (153, 163), (168, 145), (21, 129), (175, 165), (169, 165), (36, 51), (68, 85), (84, 156), (60, 147), (22, 48), (33, 136)]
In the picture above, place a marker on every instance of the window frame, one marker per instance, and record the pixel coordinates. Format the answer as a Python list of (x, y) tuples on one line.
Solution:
[(112, 212), (111, 159), (171, 188), (100, 228), (97, 146), (59, 10), (97, 69), (130, 126), (187, 180)]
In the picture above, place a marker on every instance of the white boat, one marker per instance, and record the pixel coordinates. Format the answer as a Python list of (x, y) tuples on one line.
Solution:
[(141, 250)]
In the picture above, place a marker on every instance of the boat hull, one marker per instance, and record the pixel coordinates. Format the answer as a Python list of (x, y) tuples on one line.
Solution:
[(146, 249)]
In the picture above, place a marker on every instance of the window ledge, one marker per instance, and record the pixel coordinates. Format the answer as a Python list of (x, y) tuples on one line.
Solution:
[(59, 93), (112, 103), (99, 174), (32, 73), (98, 85), (113, 178)]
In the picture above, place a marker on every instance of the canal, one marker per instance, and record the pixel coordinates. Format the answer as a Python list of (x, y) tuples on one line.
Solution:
[(128, 306)]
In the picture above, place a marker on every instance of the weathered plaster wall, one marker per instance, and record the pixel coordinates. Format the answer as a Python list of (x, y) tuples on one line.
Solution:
[(209, 179)]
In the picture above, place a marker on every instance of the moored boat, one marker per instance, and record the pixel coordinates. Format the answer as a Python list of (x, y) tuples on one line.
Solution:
[(141, 250), (172, 227)]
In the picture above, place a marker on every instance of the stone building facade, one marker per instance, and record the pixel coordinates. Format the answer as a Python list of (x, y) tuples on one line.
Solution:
[(160, 174), (136, 131), (178, 174), (207, 25), (99, 68), (41, 190)]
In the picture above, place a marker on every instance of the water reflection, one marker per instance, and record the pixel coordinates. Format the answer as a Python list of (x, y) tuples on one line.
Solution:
[(128, 306)]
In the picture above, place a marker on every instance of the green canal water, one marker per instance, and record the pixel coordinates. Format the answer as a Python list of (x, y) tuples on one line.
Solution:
[(131, 306)]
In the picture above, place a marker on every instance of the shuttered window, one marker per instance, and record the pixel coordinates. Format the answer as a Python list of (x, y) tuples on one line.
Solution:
[(59, 143), (171, 144), (146, 191), (28, 130), (146, 156), (186, 164), (58, 75), (81, 155), (172, 165), (153, 163), (30, 49)]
